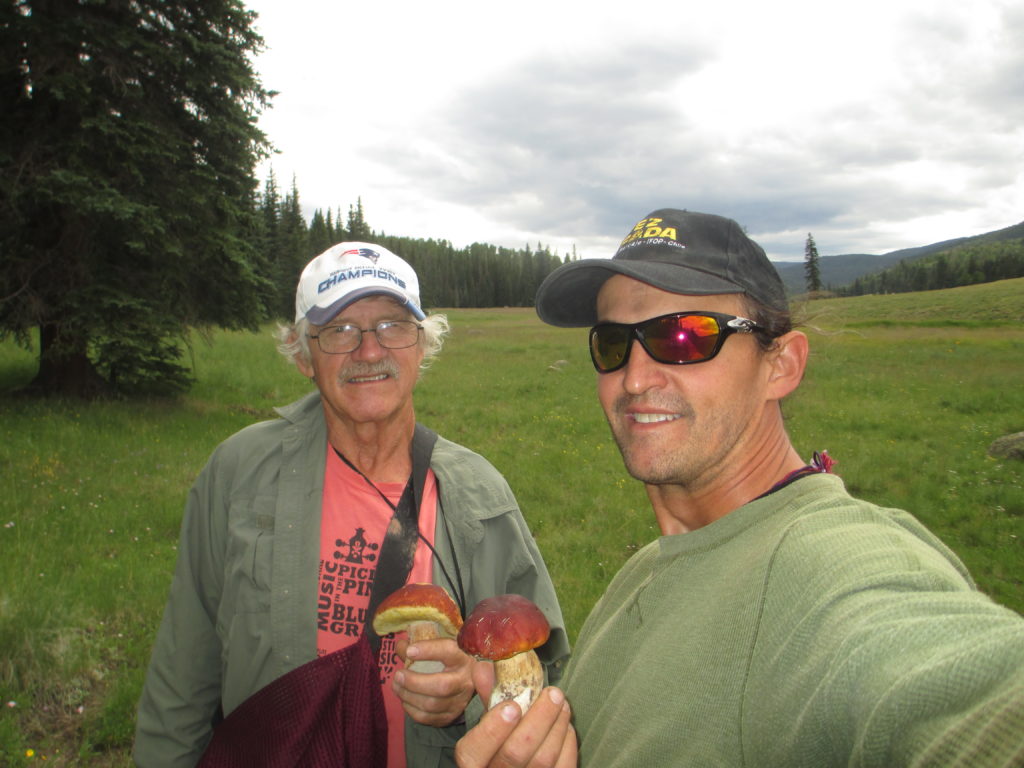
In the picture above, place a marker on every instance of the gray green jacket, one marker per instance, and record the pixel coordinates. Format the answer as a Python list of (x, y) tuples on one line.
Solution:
[(242, 605)]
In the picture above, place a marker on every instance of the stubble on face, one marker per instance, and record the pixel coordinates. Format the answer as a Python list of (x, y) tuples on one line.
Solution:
[(691, 452), (648, 457), (674, 425)]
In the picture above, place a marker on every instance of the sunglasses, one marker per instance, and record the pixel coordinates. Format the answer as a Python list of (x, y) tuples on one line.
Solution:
[(677, 339)]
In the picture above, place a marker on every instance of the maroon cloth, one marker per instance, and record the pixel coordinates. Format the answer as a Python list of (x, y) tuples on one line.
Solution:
[(328, 712)]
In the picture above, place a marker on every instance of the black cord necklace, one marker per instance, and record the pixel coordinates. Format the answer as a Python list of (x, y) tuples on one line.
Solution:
[(456, 584)]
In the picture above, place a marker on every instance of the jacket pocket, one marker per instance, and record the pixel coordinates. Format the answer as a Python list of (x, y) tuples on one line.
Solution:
[(250, 555)]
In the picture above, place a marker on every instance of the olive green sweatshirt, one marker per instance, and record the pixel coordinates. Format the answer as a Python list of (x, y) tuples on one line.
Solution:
[(806, 628)]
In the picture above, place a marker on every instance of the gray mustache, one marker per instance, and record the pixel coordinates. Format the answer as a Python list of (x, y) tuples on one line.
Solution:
[(389, 367)]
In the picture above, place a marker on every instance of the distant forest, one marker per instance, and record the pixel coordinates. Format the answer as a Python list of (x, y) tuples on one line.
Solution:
[(478, 275), (483, 275), (961, 265)]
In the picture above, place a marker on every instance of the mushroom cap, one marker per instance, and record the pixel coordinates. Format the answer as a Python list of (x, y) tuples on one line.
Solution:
[(502, 626), (417, 602)]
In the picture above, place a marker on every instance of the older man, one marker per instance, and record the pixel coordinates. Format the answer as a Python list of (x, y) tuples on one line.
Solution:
[(777, 621), (298, 527)]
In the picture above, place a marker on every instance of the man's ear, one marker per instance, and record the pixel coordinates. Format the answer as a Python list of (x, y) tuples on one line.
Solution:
[(787, 359), (305, 366)]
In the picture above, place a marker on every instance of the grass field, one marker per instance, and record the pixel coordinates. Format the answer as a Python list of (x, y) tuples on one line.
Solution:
[(905, 391)]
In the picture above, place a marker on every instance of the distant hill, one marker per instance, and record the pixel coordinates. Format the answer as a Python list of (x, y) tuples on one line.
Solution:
[(842, 270)]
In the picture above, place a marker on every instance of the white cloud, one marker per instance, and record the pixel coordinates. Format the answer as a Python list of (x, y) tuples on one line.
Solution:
[(876, 126)]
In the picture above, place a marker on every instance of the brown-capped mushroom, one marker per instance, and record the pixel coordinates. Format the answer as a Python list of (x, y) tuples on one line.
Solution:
[(425, 611), (506, 629)]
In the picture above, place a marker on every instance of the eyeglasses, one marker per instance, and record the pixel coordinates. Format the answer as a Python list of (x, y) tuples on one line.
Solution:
[(677, 339), (391, 334)]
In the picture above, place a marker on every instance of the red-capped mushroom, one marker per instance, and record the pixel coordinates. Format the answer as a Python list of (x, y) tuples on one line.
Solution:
[(506, 629), (425, 611)]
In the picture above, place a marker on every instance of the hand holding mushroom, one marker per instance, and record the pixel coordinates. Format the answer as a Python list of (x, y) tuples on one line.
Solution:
[(506, 629), (506, 737), (425, 611), (442, 684)]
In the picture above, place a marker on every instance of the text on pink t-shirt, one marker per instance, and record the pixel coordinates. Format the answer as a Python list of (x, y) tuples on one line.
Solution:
[(353, 522)]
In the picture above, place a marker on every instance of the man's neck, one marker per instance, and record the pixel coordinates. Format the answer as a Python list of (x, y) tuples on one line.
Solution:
[(380, 450), (680, 510)]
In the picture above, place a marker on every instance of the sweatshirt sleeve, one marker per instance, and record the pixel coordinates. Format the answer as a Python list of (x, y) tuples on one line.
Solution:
[(880, 651)]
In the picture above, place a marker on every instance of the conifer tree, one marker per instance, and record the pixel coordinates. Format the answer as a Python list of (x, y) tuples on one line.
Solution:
[(292, 252), (812, 266), (358, 229), (128, 141), (319, 236), (338, 233)]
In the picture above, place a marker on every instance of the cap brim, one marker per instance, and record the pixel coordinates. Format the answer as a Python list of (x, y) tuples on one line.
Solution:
[(323, 315), (568, 296)]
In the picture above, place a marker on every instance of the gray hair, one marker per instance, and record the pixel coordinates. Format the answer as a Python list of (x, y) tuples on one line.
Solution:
[(293, 339)]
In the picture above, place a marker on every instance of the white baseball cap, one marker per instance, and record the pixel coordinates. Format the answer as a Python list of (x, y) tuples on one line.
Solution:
[(347, 272)]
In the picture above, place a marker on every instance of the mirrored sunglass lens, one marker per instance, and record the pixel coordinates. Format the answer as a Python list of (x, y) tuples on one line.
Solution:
[(681, 339), (608, 345)]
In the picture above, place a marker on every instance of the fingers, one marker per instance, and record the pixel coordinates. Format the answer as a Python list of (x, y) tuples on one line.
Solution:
[(480, 745), (558, 750), (483, 679), (543, 738), (436, 698), (444, 650)]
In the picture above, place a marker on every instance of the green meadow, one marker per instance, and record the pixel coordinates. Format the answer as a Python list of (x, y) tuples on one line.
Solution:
[(906, 392)]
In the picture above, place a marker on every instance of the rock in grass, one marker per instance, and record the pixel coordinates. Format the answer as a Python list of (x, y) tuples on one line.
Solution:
[(1008, 446)]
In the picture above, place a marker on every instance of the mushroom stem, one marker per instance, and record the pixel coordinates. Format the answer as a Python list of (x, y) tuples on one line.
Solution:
[(424, 630), (425, 611), (519, 678)]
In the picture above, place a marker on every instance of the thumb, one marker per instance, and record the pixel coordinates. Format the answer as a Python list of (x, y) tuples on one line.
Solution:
[(483, 679)]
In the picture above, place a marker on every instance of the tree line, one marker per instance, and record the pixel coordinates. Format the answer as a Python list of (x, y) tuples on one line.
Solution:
[(962, 265), (477, 275), (983, 261)]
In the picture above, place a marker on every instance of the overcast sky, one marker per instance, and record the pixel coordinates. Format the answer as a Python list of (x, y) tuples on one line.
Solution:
[(875, 125)]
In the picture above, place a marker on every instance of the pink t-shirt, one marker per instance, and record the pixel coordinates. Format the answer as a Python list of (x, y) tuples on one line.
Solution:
[(352, 526)]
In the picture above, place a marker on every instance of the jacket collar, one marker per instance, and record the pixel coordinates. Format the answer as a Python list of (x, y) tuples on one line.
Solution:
[(302, 411)]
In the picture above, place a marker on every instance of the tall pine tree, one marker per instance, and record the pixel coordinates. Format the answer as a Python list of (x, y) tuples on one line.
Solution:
[(128, 141), (292, 252), (358, 229), (812, 265)]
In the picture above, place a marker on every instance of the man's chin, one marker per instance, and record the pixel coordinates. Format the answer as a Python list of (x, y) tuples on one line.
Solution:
[(648, 470)]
